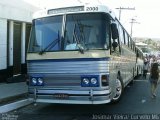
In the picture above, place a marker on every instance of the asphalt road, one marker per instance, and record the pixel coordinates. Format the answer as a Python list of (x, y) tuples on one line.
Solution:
[(136, 104)]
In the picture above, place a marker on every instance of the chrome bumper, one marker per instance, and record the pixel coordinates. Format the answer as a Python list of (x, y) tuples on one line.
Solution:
[(70, 96)]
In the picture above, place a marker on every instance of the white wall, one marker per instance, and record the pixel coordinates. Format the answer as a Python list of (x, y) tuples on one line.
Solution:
[(3, 43), (12, 11), (17, 10)]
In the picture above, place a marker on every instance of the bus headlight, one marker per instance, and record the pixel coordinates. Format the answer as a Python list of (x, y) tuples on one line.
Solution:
[(93, 81), (85, 82), (90, 81), (40, 81), (33, 81), (36, 81)]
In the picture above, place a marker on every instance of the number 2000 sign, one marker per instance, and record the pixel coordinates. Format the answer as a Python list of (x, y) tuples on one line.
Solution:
[(92, 9)]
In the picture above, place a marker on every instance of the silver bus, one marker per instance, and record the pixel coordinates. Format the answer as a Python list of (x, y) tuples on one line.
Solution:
[(79, 55)]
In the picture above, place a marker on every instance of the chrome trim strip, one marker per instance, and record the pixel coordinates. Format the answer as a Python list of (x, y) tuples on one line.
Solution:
[(70, 92), (72, 101)]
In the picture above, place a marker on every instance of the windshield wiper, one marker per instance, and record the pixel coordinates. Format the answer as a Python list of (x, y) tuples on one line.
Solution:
[(75, 36), (79, 35), (51, 45)]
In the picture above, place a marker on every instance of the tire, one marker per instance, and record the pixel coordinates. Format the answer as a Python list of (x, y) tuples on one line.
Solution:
[(119, 90)]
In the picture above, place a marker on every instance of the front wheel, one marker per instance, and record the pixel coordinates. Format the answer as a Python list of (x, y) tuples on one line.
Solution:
[(119, 91)]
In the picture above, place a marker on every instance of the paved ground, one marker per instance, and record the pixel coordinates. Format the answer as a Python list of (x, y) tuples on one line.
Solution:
[(12, 89), (11, 93)]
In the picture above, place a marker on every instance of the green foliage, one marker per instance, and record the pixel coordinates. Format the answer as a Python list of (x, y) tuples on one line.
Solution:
[(152, 44)]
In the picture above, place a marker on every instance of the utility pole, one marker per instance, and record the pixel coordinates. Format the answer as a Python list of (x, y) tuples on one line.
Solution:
[(122, 8), (132, 22)]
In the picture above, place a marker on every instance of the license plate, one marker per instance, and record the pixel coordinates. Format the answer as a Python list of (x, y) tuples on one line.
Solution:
[(61, 96)]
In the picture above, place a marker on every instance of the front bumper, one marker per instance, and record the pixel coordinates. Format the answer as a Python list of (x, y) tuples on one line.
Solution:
[(70, 96)]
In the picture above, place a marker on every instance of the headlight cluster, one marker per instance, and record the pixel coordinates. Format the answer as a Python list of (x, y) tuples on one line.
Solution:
[(37, 81), (90, 81)]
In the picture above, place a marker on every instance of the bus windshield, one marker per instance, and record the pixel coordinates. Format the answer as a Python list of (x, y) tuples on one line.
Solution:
[(145, 50), (82, 31)]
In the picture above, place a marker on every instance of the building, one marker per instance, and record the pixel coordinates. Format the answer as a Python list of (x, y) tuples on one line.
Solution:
[(15, 26)]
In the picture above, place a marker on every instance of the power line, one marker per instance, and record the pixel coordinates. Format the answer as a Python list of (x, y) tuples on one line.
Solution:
[(88, 1), (123, 8), (79, 1), (99, 1)]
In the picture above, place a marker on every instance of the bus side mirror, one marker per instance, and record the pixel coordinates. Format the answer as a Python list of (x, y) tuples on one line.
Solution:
[(114, 45), (114, 31)]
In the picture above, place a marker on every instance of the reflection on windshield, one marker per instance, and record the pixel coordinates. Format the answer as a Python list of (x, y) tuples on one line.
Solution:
[(45, 31), (82, 32), (51, 45), (89, 30)]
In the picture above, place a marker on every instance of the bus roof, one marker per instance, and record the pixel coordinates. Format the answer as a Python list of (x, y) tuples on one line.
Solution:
[(140, 44), (73, 9)]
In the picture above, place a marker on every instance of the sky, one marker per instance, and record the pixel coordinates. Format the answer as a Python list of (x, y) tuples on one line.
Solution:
[(146, 13)]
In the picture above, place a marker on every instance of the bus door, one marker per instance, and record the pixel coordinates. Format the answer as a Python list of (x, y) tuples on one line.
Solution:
[(115, 59)]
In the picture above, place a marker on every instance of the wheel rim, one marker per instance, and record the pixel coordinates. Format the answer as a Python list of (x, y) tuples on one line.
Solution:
[(118, 89)]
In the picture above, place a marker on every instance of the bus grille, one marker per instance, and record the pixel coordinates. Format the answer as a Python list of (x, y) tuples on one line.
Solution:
[(62, 80), (66, 73)]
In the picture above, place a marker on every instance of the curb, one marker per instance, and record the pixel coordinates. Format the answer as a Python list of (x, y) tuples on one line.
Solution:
[(11, 99), (15, 105)]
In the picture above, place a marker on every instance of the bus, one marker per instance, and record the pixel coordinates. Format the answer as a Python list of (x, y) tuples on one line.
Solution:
[(79, 55), (144, 48), (139, 57)]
